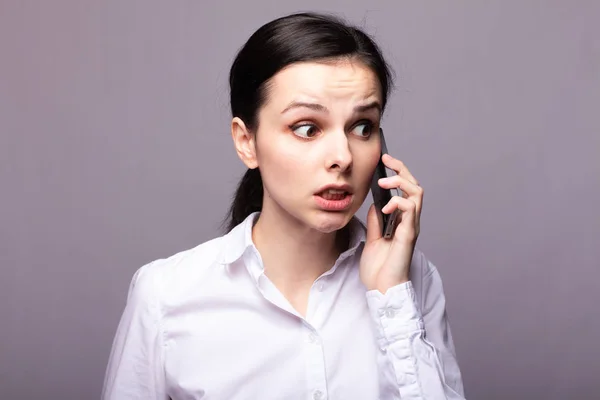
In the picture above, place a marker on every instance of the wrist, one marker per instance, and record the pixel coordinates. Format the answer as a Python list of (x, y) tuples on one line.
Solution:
[(384, 287)]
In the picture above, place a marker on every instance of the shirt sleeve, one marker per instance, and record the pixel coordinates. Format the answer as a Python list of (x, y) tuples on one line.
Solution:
[(135, 367), (417, 358)]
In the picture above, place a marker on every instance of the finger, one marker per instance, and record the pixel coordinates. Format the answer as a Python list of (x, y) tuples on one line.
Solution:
[(400, 203), (373, 224), (399, 167), (407, 227), (402, 183), (409, 189)]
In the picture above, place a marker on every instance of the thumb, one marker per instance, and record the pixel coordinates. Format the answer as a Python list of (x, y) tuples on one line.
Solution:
[(373, 224)]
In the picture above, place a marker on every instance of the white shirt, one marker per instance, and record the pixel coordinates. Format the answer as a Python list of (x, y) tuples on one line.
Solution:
[(207, 323)]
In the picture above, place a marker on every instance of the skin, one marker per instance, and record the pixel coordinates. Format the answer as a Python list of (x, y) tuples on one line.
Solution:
[(301, 148)]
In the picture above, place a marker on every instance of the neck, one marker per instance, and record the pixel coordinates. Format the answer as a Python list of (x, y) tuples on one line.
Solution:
[(293, 254)]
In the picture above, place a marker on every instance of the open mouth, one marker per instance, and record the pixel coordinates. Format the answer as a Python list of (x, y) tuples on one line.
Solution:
[(332, 194), (333, 200)]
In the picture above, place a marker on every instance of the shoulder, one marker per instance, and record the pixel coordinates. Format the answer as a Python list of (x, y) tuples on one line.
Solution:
[(159, 280)]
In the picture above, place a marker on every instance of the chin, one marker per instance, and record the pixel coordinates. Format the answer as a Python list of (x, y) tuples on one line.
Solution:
[(329, 221)]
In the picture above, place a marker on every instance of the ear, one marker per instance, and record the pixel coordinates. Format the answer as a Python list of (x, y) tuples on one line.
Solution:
[(245, 142)]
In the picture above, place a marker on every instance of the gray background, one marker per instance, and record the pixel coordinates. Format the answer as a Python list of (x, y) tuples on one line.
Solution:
[(115, 150)]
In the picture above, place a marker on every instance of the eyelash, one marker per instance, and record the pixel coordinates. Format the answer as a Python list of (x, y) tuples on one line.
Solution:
[(361, 122)]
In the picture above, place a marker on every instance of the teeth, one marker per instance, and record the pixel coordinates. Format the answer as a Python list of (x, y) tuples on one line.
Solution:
[(335, 191)]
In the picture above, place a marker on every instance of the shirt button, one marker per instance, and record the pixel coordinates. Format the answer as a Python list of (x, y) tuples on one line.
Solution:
[(318, 395), (320, 287), (312, 338), (390, 313)]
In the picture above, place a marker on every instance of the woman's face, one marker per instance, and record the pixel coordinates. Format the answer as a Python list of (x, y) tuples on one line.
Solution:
[(319, 127)]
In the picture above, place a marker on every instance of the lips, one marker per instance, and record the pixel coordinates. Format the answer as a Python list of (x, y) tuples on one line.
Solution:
[(334, 197)]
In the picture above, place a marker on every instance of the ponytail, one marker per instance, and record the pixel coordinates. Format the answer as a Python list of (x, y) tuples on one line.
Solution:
[(248, 198)]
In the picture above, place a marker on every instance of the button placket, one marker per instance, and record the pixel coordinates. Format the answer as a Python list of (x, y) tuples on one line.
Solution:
[(315, 365)]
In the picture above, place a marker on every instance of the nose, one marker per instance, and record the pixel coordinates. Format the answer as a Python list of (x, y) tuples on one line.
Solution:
[(339, 156)]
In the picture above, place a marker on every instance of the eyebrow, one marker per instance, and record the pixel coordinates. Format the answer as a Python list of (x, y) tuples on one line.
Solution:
[(320, 108)]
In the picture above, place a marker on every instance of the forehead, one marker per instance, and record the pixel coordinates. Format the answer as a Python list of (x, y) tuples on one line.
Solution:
[(339, 80)]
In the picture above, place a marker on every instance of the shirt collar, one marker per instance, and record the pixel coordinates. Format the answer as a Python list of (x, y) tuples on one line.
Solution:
[(239, 239)]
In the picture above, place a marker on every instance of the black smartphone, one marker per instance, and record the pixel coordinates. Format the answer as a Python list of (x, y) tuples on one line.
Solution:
[(382, 196)]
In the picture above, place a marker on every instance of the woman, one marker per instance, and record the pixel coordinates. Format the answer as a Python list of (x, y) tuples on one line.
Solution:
[(298, 300)]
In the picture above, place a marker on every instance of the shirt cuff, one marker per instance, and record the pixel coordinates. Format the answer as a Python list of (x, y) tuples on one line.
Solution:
[(395, 313)]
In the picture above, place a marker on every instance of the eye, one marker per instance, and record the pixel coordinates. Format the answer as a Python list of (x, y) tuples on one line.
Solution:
[(306, 131), (363, 129)]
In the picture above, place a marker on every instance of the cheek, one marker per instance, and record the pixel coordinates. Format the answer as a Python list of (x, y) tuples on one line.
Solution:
[(281, 165), (365, 165)]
